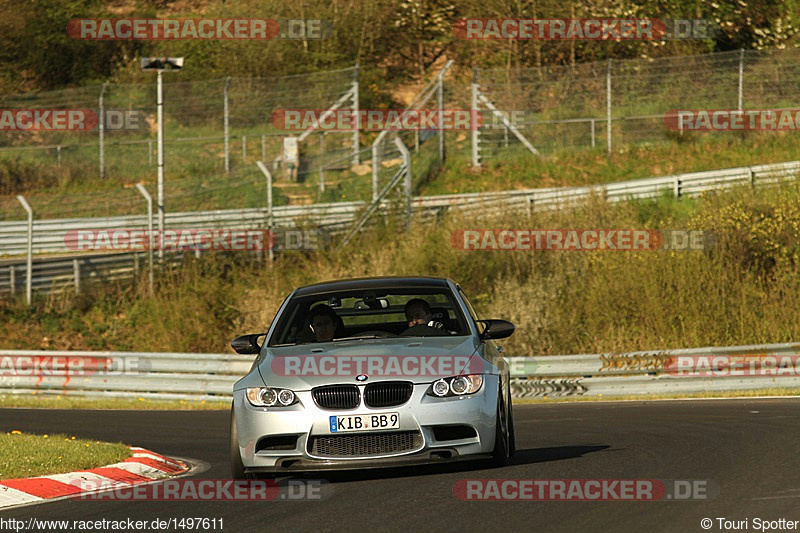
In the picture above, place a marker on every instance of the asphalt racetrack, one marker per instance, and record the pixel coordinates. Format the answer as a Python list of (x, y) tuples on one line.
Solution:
[(748, 449)]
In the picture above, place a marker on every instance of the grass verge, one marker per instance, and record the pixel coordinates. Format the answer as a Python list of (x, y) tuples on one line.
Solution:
[(139, 404), (27, 455)]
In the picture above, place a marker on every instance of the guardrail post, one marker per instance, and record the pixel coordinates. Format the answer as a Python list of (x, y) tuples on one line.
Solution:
[(676, 186), (29, 262), (76, 273), (150, 246), (752, 176)]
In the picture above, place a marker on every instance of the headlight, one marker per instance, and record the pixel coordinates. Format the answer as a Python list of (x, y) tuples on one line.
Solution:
[(441, 388), (268, 397), (286, 397), (456, 386)]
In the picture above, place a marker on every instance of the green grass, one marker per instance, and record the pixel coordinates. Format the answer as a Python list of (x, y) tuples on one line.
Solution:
[(27, 455), (195, 177), (516, 168), (138, 404)]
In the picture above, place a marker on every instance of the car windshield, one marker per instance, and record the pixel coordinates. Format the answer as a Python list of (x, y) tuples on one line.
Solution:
[(369, 314)]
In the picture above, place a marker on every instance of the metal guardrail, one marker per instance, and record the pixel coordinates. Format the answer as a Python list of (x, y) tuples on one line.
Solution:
[(335, 218), (694, 370), (209, 376)]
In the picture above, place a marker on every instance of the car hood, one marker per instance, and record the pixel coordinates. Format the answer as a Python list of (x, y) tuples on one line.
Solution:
[(420, 360)]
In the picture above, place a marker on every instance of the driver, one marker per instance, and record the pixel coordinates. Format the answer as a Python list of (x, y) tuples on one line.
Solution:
[(323, 321), (420, 320)]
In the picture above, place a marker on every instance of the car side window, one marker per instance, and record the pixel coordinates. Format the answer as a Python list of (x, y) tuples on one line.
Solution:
[(471, 310)]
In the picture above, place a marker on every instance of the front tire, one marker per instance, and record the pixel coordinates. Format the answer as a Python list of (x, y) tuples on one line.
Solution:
[(237, 467), (502, 448)]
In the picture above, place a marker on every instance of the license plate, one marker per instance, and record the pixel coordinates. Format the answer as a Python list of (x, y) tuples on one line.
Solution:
[(364, 422)]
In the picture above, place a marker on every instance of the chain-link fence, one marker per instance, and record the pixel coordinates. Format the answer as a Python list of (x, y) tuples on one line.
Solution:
[(605, 105), (215, 131)]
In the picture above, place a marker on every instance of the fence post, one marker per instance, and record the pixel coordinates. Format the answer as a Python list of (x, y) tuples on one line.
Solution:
[(440, 106), (594, 134), (58, 156), (12, 279), (150, 152), (76, 272), (741, 76), (321, 162), (226, 125), (356, 130), (474, 119), (244, 149), (101, 132), (407, 178), (150, 246), (375, 163), (270, 221), (608, 106), (263, 147), (29, 262)]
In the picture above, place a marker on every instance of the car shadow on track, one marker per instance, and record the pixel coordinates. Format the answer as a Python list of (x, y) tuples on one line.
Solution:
[(522, 457)]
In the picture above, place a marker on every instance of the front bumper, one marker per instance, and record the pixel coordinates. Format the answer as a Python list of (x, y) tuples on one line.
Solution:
[(422, 413)]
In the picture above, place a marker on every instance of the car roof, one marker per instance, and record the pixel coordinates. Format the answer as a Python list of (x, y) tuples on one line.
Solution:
[(386, 282)]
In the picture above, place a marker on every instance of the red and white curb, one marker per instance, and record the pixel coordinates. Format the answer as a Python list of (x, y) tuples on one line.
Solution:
[(143, 467)]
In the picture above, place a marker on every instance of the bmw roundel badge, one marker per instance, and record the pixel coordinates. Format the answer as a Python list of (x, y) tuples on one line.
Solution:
[(362, 377)]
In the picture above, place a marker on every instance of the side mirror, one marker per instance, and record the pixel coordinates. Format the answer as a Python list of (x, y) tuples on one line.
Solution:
[(247, 344), (497, 329)]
